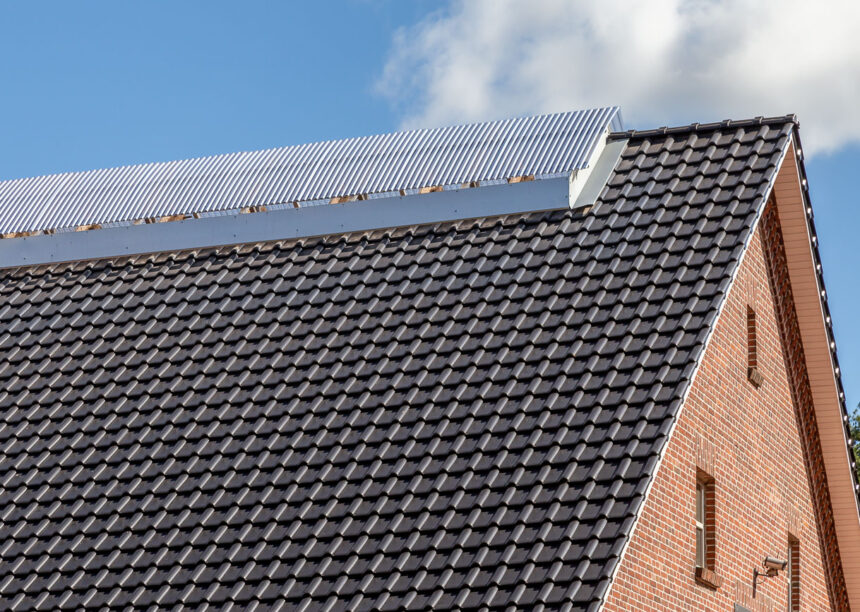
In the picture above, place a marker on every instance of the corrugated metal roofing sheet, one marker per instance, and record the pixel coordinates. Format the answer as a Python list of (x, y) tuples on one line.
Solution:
[(544, 145)]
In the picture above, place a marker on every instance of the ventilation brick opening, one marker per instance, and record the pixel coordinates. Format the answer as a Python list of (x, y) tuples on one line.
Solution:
[(753, 373)]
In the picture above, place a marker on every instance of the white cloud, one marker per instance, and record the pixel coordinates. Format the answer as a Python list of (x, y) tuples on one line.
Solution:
[(663, 61)]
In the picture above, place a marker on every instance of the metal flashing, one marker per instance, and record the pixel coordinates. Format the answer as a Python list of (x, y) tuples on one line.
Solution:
[(586, 184), (287, 223)]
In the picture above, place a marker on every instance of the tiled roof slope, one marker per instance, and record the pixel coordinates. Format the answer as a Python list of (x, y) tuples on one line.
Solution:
[(458, 415)]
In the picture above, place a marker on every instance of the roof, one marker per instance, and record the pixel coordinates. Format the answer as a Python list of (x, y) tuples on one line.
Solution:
[(461, 413), (542, 146)]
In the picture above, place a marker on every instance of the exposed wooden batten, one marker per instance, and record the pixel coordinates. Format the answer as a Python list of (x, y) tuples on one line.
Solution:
[(522, 179), (431, 189)]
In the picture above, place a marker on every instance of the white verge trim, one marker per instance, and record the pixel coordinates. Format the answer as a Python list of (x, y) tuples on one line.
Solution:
[(662, 453)]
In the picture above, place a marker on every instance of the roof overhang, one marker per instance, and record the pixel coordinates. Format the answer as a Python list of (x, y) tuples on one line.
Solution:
[(807, 285)]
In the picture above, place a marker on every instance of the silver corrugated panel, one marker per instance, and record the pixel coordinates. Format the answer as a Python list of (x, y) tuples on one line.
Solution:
[(544, 145)]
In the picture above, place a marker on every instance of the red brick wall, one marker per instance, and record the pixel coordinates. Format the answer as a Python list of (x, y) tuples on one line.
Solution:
[(761, 442)]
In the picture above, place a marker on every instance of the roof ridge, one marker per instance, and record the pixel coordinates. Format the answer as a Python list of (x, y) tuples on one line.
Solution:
[(706, 127)]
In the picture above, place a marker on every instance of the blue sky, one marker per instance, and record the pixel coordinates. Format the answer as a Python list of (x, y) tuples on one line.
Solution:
[(101, 83), (94, 84)]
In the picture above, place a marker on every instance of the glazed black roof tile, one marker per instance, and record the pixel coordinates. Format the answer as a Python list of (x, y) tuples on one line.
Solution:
[(465, 414)]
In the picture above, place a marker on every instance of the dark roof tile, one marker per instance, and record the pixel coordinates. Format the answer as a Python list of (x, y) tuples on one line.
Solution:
[(343, 420)]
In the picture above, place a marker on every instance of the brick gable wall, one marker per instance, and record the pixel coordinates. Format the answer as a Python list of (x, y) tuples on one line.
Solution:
[(756, 442)]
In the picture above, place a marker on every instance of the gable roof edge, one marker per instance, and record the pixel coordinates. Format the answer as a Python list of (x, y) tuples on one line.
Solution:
[(696, 362), (817, 336)]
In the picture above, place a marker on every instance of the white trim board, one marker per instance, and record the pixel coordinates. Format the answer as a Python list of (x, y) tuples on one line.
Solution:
[(285, 223)]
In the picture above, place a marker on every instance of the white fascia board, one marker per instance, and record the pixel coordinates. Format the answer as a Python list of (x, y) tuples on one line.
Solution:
[(287, 223)]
